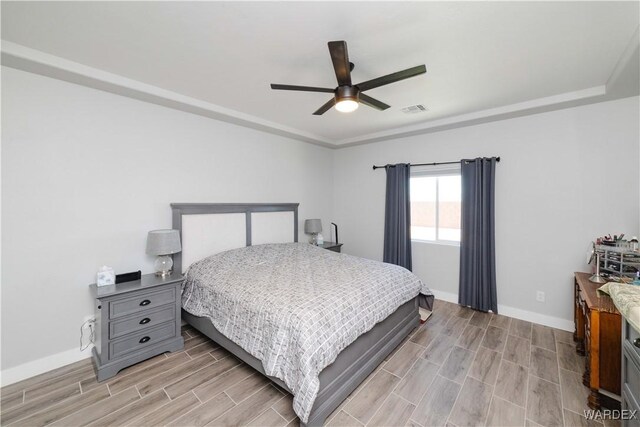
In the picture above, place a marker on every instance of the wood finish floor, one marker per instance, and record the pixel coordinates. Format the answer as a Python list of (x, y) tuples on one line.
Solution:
[(461, 368)]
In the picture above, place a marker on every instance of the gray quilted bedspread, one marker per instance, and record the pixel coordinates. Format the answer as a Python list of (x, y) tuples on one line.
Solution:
[(295, 306)]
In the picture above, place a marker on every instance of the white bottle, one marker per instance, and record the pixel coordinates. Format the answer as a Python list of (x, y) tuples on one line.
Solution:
[(320, 239)]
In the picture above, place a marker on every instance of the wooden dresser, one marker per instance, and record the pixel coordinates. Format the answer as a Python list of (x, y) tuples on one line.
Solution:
[(598, 337)]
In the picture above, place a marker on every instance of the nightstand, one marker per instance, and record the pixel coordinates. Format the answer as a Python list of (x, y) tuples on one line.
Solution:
[(332, 246), (135, 321)]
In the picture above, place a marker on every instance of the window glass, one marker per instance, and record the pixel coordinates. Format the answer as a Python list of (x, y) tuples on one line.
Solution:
[(436, 207)]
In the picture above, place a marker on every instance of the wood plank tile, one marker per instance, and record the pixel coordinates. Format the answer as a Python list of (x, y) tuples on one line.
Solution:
[(201, 349), (26, 409), (284, 407), (248, 409), (495, 338), (38, 379), (120, 383), (64, 408), (436, 404), (457, 364), (472, 405), (544, 402), (130, 413), (342, 419), (403, 360), (517, 350), (438, 319), (542, 336), (425, 335), (520, 328), (544, 364), (200, 377), (511, 384), (471, 338), (563, 336), (222, 382), (205, 413), (480, 319), (439, 349), (169, 412), (574, 394), (220, 353), (569, 359), (395, 411), (464, 312), (369, 399), (193, 342), (91, 413), (169, 377), (485, 366), (503, 413), (500, 321), (575, 420), (455, 326), (247, 387), (45, 387), (10, 400), (268, 418), (413, 386)]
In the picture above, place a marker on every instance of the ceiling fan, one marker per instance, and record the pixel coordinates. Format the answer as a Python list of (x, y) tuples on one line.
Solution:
[(347, 96)]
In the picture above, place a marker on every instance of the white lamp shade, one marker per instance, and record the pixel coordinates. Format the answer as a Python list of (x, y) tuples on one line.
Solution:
[(163, 242), (312, 226)]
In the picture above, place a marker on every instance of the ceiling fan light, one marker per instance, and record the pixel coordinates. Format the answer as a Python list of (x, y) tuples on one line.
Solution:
[(347, 105)]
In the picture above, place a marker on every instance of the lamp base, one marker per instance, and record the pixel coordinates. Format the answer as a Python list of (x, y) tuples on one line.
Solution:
[(163, 265), (596, 278)]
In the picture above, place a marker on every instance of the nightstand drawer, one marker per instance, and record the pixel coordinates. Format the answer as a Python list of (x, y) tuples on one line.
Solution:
[(143, 320), (142, 339), (633, 337), (141, 301)]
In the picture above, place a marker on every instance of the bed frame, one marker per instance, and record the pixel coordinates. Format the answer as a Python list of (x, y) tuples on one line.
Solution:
[(354, 363)]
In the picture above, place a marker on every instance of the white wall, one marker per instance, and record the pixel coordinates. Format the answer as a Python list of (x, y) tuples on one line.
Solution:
[(565, 177), (85, 175)]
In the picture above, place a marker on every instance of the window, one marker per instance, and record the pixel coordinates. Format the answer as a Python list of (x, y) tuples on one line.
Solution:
[(436, 206)]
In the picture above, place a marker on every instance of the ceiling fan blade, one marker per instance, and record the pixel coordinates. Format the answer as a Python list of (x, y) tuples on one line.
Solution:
[(340, 58), (392, 78), (372, 102), (301, 88), (326, 107)]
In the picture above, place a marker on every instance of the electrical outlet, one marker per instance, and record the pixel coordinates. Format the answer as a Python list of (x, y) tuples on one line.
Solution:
[(540, 296)]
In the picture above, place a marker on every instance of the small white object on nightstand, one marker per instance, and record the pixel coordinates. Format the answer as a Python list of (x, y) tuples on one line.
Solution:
[(106, 276)]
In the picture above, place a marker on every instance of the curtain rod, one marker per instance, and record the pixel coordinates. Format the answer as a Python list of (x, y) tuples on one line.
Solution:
[(430, 164)]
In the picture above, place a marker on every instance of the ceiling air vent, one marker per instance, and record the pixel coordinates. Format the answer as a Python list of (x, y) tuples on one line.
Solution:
[(413, 109)]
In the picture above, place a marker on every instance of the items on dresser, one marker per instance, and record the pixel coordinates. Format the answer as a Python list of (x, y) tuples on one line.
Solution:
[(597, 334), (313, 227), (105, 276), (618, 261), (135, 321)]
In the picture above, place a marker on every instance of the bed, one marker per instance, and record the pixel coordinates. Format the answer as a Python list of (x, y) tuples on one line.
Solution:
[(288, 309)]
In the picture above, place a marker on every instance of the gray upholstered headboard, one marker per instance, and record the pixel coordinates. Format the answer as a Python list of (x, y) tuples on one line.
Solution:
[(209, 228)]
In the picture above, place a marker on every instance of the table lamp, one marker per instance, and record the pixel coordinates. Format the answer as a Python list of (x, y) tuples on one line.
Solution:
[(313, 227), (163, 243)]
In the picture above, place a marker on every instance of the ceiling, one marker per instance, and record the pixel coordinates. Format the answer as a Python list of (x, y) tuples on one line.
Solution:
[(491, 57)]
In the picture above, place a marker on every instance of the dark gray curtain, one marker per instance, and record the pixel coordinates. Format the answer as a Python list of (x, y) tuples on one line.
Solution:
[(477, 244), (397, 216)]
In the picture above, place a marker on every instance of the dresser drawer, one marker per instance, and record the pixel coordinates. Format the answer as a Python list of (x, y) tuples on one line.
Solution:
[(141, 301), (143, 320), (142, 339), (633, 337)]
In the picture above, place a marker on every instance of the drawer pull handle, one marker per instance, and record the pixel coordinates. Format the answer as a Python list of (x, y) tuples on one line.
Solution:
[(144, 340), (636, 342), (145, 321), (145, 302)]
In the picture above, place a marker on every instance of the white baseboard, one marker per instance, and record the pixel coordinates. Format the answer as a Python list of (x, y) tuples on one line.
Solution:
[(40, 366), (517, 313)]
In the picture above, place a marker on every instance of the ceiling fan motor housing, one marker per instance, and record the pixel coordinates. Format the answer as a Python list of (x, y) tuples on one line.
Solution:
[(347, 93)]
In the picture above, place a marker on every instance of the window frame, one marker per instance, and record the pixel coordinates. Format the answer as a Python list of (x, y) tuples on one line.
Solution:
[(435, 171)]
